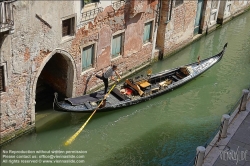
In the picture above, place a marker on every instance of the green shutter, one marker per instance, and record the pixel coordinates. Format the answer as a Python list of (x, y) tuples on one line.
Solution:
[(116, 45), (147, 32), (87, 57)]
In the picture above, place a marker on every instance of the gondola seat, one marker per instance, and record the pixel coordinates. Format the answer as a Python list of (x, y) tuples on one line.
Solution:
[(165, 83), (175, 78), (119, 95), (88, 105), (144, 84)]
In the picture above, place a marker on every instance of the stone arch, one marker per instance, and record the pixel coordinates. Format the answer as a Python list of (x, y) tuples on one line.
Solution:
[(71, 77)]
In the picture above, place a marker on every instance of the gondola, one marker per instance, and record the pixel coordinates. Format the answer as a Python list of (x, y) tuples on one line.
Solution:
[(138, 89)]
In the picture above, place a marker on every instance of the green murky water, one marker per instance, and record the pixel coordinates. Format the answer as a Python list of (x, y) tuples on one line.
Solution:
[(165, 130)]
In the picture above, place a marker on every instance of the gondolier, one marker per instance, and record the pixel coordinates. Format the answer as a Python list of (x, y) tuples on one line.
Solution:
[(109, 73)]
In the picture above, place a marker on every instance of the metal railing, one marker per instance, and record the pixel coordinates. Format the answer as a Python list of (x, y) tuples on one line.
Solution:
[(235, 107), (90, 15), (6, 15)]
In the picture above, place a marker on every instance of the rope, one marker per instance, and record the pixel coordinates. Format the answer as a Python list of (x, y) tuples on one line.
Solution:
[(196, 158), (220, 131)]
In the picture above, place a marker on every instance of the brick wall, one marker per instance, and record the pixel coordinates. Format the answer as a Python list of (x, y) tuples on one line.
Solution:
[(179, 30), (24, 51), (106, 24)]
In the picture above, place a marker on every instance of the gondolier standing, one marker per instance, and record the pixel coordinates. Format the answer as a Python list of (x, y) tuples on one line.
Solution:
[(109, 73)]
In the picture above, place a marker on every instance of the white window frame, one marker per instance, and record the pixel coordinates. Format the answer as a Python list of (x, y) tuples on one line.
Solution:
[(89, 6), (122, 33), (93, 58), (96, 1), (151, 32), (68, 37)]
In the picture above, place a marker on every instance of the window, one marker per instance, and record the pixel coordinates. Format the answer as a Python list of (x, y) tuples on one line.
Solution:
[(90, 1), (147, 32), (2, 81), (117, 45), (68, 27), (178, 2), (88, 57)]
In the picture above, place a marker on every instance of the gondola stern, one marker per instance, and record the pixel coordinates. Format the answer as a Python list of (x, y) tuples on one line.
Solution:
[(224, 49), (225, 46), (222, 52)]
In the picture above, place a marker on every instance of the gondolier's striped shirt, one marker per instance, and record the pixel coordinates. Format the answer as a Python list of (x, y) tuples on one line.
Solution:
[(109, 73)]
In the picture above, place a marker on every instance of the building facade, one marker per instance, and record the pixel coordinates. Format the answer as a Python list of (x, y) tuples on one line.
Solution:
[(63, 44), (181, 21)]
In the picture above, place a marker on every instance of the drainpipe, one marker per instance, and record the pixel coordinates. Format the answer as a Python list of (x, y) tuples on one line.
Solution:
[(156, 27)]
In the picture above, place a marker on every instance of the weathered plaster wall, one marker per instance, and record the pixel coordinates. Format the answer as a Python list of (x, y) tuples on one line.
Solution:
[(100, 32), (238, 7), (179, 30), (209, 15), (229, 9), (37, 43), (24, 51)]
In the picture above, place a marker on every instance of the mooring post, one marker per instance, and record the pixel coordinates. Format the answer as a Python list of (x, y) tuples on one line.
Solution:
[(244, 99), (224, 120), (200, 153)]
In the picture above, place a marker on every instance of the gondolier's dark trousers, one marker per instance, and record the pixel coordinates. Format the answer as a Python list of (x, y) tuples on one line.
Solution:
[(106, 82)]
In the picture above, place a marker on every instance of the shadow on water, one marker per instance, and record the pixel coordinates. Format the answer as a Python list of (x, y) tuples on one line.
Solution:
[(49, 120)]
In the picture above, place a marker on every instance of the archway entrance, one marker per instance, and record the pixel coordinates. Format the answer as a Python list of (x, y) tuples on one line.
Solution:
[(56, 74), (54, 77)]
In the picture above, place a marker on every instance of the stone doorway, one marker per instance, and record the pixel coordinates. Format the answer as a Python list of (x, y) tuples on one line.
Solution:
[(56, 74)]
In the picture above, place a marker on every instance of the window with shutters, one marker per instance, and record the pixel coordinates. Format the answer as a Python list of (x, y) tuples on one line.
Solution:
[(2, 79), (6, 15), (117, 45), (147, 34), (88, 57), (68, 27)]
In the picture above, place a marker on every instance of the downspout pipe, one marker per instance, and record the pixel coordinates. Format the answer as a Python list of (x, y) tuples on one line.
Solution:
[(156, 27)]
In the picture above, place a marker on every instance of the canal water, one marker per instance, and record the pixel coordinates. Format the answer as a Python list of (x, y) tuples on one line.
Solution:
[(165, 130)]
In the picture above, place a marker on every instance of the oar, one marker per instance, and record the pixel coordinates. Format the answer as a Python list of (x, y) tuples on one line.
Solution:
[(73, 137)]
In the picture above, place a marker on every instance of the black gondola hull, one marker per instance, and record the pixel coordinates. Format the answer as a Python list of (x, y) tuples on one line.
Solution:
[(194, 70)]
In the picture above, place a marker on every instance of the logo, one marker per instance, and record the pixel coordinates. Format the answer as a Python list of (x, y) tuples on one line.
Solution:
[(232, 155)]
